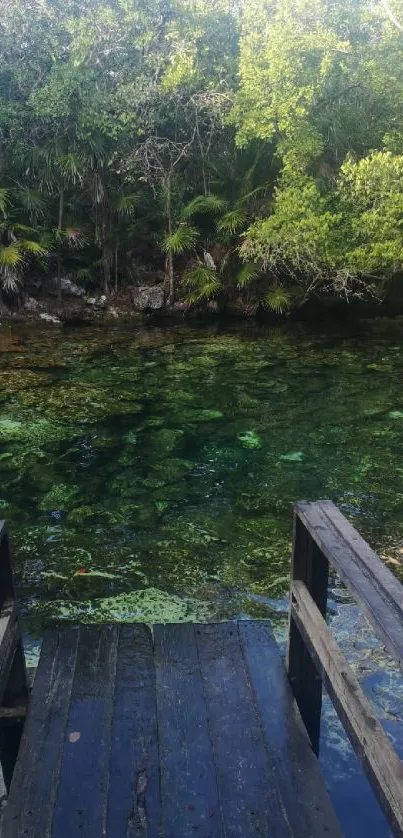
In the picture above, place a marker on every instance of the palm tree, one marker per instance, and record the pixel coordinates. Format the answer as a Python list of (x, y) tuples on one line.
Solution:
[(19, 244)]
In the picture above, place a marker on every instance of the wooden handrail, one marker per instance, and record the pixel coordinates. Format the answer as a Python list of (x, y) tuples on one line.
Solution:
[(323, 537), (14, 691)]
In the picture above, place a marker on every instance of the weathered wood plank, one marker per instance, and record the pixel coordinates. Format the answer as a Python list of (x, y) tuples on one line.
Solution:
[(29, 810), (295, 769), (7, 589), (309, 565), (373, 585), (9, 638), (189, 795), (370, 742), (81, 801), (250, 804), (134, 788)]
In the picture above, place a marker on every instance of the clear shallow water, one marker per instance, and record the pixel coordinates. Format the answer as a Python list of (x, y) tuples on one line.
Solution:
[(151, 474)]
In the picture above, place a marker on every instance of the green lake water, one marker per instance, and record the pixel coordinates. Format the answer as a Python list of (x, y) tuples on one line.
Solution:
[(150, 474)]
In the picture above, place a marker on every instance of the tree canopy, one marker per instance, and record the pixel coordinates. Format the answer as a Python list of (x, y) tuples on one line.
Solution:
[(251, 150)]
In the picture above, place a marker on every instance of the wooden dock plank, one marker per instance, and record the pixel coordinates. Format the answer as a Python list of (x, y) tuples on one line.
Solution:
[(30, 806), (181, 733), (189, 795), (134, 788), (297, 776), (250, 804), (81, 802)]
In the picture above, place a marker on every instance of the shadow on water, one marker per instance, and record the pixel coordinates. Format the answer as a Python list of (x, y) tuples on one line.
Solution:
[(150, 475)]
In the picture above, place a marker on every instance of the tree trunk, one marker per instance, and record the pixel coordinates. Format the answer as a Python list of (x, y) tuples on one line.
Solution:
[(106, 258), (59, 253), (106, 254), (169, 264), (116, 266)]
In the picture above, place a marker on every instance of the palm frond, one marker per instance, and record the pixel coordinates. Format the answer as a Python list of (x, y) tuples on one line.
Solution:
[(11, 256), (278, 300), (246, 275), (183, 239), (21, 228), (32, 247), (127, 204), (4, 199), (31, 200), (245, 198), (204, 205), (10, 281), (71, 165), (232, 221), (82, 274), (202, 283), (71, 237)]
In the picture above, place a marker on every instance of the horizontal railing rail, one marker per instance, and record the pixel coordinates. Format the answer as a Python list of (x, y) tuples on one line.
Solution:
[(323, 538)]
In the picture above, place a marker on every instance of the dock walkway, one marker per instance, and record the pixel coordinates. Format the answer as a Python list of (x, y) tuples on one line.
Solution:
[(183, 731), (197, 731)]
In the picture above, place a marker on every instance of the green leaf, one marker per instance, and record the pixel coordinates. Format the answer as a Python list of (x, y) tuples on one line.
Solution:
[(247, 274), (33, 247), (11, 255), (232, 221), (202, 282), (127, 204), (4, 200), (31, 200), (204, 205), (278, 300), (182, 240)]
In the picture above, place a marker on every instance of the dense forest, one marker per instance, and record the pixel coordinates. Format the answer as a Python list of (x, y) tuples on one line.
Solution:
[(248, 151)]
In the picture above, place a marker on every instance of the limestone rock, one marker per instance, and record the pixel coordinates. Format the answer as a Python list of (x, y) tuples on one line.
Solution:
[(30, 304), (68, 287), (97, 302), (49, 318), (148, 297)]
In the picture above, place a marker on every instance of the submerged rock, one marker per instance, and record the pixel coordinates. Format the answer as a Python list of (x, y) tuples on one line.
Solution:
[(148, 606), (249, 439), (293, 457)]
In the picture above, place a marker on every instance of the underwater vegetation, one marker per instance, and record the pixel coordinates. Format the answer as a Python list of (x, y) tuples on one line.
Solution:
[(151, 475)]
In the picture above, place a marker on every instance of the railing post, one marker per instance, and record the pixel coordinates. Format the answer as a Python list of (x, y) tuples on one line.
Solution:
[(311, 567), (16, 691)]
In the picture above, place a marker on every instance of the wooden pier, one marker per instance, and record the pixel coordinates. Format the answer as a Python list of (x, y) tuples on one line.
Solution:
[(196, 730)]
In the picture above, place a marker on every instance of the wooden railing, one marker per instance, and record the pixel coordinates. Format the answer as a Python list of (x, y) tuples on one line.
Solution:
[(13, 678), (323, 537)]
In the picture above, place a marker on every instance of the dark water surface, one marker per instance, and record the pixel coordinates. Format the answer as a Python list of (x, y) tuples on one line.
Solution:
[(151, 474)]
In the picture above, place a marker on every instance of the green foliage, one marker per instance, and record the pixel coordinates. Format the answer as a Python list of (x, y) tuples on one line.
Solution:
[(183, 239), (247, 274), (278, 300), (202, 283), (261, 132), (204, 205), (233, 221)]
